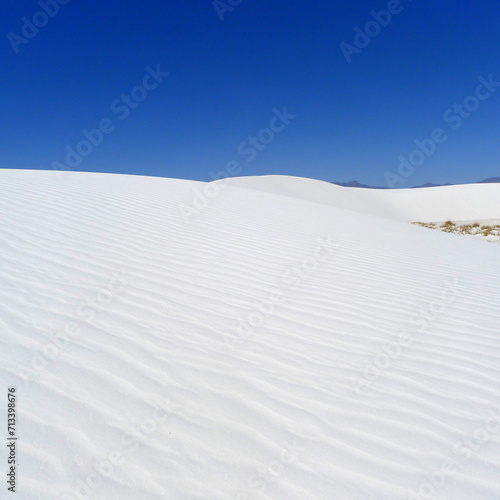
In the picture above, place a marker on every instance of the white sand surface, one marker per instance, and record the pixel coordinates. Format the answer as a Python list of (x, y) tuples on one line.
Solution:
[(461, 202), (270, 347)]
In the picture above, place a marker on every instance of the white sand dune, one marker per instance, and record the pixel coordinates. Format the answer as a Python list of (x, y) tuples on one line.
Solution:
[(462, 202), (269, 348)]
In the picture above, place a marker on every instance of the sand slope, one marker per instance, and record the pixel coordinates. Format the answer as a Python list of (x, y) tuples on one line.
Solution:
[(462, 202), (268, 348)]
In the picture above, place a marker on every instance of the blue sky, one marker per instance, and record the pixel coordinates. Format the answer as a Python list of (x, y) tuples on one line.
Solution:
[(227, 79)]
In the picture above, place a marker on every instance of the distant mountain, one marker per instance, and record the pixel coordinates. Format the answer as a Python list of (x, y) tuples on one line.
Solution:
[(491, 179), (431, 185), (357, 184)]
